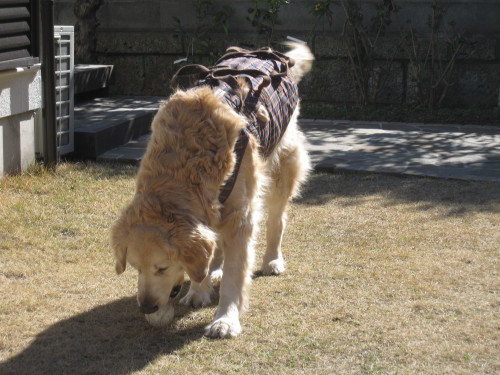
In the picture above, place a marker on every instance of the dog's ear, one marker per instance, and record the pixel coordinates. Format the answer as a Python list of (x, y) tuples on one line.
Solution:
[(129, 219), (119, 238), (120, 260), (196, 256)]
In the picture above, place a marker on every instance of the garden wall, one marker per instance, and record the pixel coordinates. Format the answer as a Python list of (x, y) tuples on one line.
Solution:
[(141, 40)]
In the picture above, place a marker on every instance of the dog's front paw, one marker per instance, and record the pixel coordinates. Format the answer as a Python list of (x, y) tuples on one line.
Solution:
[(274, 267), (223, 328), (197, 298)]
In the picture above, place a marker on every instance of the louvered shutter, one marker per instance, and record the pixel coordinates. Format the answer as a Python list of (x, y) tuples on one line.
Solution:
[(18, 44)]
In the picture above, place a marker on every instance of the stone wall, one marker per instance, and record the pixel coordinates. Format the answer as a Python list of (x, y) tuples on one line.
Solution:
[(138, 38)]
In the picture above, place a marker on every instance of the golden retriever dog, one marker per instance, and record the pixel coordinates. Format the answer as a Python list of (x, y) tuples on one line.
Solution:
[(176, 223)]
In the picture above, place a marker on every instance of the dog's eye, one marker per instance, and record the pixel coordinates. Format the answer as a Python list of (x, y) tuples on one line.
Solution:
[(162, 270)]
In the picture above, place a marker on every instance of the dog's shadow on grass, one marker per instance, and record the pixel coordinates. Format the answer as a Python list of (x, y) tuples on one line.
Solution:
[(109, 339)]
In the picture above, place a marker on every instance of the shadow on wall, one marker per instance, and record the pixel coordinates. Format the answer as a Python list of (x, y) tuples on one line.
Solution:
[(109, 339)]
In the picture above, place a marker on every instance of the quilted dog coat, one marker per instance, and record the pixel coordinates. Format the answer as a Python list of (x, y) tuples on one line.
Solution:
[(271, 86)]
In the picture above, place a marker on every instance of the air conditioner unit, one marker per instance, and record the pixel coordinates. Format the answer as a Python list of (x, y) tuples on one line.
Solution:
[(64, 39)]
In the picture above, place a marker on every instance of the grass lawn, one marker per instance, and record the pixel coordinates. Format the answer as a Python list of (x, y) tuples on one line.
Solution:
[(386, 275)]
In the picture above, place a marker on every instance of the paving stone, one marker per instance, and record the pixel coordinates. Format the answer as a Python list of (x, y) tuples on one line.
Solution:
[(398, 126), (440, 128), (366, 125), (492, 130), (464, 159)]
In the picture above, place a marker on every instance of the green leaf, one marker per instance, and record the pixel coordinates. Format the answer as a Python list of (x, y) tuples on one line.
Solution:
[(252, 14)]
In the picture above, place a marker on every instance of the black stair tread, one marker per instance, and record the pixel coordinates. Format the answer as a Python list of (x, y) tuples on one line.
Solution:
[(102, 124), (91, 77), (99, 113)]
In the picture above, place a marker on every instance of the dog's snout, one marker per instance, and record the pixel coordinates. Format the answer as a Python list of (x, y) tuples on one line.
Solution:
[(148, 308), (175, 291)]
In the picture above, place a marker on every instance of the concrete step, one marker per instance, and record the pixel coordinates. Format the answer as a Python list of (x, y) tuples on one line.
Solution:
[(102, 124), (129, 153), (91, 79)]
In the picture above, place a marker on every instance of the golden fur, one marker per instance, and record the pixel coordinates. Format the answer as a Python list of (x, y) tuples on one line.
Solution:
[(175, 222)]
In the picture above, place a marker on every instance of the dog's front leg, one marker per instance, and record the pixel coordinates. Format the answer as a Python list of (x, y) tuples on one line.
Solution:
[(237, 234)]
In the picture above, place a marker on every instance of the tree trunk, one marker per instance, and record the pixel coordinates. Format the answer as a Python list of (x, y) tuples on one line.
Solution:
[(85, 30)]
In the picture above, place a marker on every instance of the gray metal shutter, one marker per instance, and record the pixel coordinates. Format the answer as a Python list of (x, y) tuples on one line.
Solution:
[(18, 45)]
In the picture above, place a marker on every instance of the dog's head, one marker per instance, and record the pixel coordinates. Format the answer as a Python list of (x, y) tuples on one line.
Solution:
[(161, 244)]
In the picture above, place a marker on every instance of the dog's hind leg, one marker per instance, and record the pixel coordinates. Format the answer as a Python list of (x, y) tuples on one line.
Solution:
[(273, 262), (290, 170), (216, 263), (199, 294)]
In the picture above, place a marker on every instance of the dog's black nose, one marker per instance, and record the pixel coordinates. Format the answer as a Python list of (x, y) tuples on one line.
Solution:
[(175, 291), (148, 309)]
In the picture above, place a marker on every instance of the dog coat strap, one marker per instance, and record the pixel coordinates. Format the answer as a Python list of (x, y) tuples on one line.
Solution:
[(263, 53), (223, 73), (239, 149), (187, 70)]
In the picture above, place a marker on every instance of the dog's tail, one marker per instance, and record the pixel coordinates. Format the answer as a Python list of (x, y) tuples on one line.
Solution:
[(303, 58)]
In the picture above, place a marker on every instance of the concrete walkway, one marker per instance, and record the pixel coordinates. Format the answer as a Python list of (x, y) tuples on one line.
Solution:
[(464, 152)]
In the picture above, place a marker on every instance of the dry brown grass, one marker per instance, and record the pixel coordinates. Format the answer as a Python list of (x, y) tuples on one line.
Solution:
[(385, 276)]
